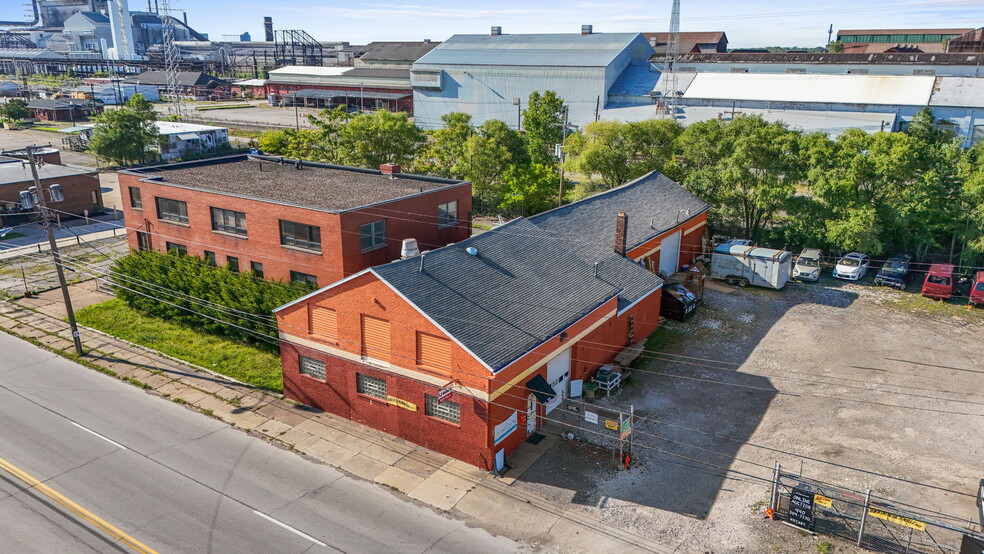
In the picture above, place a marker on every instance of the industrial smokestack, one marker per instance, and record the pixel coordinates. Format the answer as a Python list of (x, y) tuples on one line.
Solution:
[(268, 29), (496, 31)]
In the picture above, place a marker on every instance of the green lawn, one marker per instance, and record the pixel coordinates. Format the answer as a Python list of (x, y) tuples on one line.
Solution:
[(234, 359)]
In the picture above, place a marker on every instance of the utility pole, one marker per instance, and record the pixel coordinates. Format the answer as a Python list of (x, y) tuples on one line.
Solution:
[(46, 219), (560, 192)]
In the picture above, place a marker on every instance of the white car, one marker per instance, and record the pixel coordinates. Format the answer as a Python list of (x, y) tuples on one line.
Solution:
[(852, 266)]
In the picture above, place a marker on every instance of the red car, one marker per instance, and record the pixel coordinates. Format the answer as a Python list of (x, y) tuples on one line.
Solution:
[(940, 282), (977, 290)]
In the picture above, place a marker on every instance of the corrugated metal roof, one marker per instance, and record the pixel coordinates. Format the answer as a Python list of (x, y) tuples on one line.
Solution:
[(308, 70), (250, 83), (895, 58), (593, 50), (964, 92), (903, 31), (836, 89), (30, 53), (397, 51)]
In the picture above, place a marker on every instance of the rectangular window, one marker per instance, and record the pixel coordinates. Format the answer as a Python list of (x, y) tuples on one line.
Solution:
[(300, 235), (311, 367), (135, 202), (256, 268), (232, 263), (322, 322), (174, 211), (433, 351), (373, 235), (370, 386), (447, 214), (143, 241), (228, 221), (298, 277), (179, 248), (448, 411), (210, 257)]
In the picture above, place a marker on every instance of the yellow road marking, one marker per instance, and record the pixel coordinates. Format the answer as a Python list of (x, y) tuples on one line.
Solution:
[(75, 508)]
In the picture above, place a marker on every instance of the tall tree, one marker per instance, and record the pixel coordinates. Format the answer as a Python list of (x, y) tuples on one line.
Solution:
[(128, 135), (619, 152), (444, 154), (14, 110), (369, 140), (528, 189), (304, 144), (543, 121)]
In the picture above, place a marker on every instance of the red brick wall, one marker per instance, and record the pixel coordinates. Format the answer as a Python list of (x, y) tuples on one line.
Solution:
[(337, 259), (690, 243), (78, 191)]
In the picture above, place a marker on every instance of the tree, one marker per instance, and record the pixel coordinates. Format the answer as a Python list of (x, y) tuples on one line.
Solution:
[(543, 121), (510, 139), (484, 162), (14, 110), (747, 168), (127, 135), (619, 152), (445, 153), (835, 47), (328, 147), (370, 140), (528, 189), (304, 144)]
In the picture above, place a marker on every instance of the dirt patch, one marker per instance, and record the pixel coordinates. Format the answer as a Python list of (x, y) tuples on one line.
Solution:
[(840, 372)]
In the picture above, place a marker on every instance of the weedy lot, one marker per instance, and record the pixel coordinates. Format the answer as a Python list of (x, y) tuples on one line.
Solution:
[(862, 377)]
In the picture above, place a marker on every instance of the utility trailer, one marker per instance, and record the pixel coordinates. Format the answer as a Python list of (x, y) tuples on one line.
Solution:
[(741, 264)]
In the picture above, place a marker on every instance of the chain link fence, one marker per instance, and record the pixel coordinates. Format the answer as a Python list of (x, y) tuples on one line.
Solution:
[(872, 522)]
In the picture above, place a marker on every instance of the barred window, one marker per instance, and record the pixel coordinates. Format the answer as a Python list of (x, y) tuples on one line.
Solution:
[(229, 221), (311, 367), (174, 211), (448, 411), (371, 386)]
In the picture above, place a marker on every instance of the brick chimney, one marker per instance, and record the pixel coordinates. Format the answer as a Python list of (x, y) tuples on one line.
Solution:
[(587, 29), (389, 169), (621, 233), (496, 31)]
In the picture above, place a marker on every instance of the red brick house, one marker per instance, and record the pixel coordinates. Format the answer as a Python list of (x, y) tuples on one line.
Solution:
[(80, 186), (290, 220), (505, 320)]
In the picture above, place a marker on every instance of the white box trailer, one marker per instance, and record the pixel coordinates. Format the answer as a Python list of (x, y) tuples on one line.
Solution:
[(742, 264)]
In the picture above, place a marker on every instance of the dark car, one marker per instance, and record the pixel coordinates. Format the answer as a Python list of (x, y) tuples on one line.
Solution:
[(677, 302), (895, 272)]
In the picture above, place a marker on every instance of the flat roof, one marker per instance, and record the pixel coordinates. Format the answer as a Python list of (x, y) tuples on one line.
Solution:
[(12, 172), (315, 186), (907, 90)]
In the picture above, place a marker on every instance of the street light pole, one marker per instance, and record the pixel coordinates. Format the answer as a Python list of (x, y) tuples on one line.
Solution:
[(46, 219)]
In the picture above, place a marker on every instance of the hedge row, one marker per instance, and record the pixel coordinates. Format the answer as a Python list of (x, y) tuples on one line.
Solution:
[(193, 292)]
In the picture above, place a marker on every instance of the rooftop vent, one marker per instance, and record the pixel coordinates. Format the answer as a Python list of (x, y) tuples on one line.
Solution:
[(409, 249), (472, 251), (587, 29), (496, 31)]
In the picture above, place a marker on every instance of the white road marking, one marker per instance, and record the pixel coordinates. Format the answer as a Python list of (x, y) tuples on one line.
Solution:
[(110, 441), (289, 528)]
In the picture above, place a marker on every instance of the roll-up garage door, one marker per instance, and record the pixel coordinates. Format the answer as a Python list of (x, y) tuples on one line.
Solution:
[(375, 338)]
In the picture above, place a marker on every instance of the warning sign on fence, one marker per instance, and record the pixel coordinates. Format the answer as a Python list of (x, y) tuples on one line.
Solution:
[(897, 519), (821, 500)]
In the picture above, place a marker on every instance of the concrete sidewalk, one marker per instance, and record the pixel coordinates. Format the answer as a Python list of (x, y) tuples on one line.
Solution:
[(423, 476)]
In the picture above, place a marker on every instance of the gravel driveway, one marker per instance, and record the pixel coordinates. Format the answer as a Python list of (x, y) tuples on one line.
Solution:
[(846, 373)]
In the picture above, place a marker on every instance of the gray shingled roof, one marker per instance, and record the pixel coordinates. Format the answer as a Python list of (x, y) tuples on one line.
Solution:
[(521, 289), (634, 280), (653, 202)]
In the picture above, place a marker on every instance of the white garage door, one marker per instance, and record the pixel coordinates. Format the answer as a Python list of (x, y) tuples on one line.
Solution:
[(559, 372), (669, 254)]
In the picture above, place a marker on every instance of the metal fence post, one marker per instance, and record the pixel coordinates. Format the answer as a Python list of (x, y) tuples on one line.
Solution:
[(864, 515), (774, 496)]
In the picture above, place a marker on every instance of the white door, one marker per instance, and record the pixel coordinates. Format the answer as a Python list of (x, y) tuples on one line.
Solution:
[(500, 459), (559, 373), (531, 414), (669, 254)]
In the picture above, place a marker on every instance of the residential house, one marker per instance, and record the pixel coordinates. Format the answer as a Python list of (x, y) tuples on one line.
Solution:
[(64, 109), (290, 220), (180, 139), (192, 85), (468, 349)]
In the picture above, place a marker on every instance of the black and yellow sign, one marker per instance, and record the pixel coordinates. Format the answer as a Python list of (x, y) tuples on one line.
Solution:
[(821, 500), (401, 403), (897, 519), (613, 425)]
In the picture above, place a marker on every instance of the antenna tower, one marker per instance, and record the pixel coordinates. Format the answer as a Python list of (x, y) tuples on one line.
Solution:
[(669, 76), (171, 59)]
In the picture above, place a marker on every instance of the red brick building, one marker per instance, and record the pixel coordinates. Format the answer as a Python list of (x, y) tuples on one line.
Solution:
[(291, 220), (505, 320), (80, 186)]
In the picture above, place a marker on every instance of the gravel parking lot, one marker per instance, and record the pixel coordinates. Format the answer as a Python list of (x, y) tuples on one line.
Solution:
[(864, 377)]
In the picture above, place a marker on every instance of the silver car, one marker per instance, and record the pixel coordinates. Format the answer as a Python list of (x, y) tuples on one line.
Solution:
[(807, 266)]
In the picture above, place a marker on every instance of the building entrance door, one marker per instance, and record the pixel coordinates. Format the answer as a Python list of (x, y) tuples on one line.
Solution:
[(530, 414)]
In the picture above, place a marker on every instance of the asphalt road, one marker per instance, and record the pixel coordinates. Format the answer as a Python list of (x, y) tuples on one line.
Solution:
[(174, 480)]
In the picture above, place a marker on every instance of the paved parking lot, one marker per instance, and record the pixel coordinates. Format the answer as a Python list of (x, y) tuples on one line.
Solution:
[(846, 373)]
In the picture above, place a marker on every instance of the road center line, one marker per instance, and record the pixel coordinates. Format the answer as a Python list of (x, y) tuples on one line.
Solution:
[(75, 508), (87, 430), (289, 528)]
